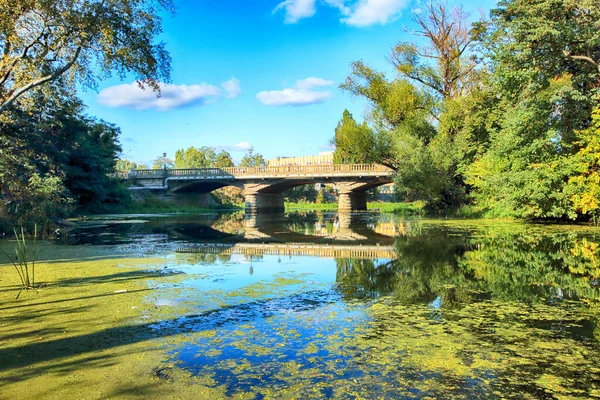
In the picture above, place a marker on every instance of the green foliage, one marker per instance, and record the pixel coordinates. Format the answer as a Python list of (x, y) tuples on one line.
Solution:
[(223, 160), (126, 166), (320, 199), (301, 194), (54, 158), (80, 41), (354, 144), (202, 157), (585, 181), (544, 58), (428, 158), (192, 157), (252, 160), (163, 162)]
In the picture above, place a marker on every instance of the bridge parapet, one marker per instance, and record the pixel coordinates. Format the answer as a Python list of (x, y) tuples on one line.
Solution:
[(273, 171)]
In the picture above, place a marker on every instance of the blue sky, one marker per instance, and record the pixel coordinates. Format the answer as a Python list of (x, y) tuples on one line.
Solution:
[(262, 73)]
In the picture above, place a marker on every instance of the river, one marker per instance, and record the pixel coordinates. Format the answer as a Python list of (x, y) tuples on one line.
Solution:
[(310, 305)]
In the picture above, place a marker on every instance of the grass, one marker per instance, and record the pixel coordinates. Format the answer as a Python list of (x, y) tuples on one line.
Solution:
[(302, 205), (155, 206), (416, 207)]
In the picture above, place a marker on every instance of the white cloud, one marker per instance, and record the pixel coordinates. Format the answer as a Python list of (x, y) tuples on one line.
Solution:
[(312, 82), (370, 12), (302, 94), (296, 10), (241, 146), (359, 13), (232, 87), (130, 95)]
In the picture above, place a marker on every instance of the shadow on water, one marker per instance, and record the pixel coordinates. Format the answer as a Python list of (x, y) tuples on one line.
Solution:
[(55, 350)]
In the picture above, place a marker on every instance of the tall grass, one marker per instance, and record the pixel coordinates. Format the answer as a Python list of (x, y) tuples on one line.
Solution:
[(24, 261)]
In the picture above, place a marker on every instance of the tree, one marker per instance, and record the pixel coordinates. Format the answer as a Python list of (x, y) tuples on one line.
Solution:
[(56, 159), (192, 157), (224, 160), (444, 66), (393, 103), (585, 180), (162, 162), (542, 57), (398, 110), (252, 160), (81, 41), (355, 144), (126, 166)]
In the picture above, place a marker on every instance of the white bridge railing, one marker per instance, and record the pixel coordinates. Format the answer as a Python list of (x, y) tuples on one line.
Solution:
[(234, 172)]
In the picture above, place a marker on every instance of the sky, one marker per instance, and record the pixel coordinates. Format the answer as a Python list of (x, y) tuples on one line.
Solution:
[(261, 74)]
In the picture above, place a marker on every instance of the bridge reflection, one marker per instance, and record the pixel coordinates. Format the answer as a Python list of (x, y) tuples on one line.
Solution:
[(332, 236)]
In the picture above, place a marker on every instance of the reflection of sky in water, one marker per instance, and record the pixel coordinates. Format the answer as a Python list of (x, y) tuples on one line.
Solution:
[(287, 311), (235, 274)]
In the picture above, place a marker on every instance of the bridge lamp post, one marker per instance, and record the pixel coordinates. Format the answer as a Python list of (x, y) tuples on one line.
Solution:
[(165, 161)]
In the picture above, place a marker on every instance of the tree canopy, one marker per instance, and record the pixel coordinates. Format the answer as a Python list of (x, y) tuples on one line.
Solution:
[(252, 159), (80, 40)]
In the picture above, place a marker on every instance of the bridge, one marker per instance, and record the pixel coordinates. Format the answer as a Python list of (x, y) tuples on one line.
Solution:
[(263, 187)]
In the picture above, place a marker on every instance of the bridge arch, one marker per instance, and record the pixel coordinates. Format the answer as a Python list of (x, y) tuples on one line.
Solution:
[(200, 186)]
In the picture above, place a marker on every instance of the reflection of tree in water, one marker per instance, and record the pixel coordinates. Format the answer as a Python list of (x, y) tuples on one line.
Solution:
[(507, 263), (518, 311), (427, 267), (232, 223)]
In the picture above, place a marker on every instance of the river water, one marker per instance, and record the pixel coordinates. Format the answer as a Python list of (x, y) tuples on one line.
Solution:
[(320, 305)]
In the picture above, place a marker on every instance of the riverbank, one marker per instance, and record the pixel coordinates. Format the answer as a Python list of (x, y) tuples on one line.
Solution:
[(413, 208)]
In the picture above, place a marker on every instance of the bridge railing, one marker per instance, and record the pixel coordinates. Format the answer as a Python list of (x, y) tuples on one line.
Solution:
[(267, 171)]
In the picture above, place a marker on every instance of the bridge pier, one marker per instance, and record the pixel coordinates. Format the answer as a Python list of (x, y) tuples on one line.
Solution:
[(352, 201), (264, 203)]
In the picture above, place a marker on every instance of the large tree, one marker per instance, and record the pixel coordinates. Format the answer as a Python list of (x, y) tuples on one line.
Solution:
[(81, 41)]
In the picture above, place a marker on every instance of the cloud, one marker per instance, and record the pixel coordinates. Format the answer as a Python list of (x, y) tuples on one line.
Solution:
[(232, 87), (312, 82), (241, 146), (130, 95), (295, 10), (302, 94), (359, 13), (370, 12)]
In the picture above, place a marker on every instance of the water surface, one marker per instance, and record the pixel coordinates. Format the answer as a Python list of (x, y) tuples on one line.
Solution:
[(320, 305)]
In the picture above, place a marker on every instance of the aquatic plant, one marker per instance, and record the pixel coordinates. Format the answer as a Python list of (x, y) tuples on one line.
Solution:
[(24, 261)]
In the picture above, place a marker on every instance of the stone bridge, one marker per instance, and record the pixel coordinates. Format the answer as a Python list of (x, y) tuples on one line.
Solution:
[(263, 187)]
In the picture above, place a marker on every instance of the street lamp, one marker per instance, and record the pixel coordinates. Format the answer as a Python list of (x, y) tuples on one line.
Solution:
[(165, 161)]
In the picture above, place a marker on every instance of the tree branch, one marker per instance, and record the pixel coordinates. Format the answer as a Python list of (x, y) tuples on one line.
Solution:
[(19, 92)]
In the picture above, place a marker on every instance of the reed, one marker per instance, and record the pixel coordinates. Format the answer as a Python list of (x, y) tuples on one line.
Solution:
[(24, 260)]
